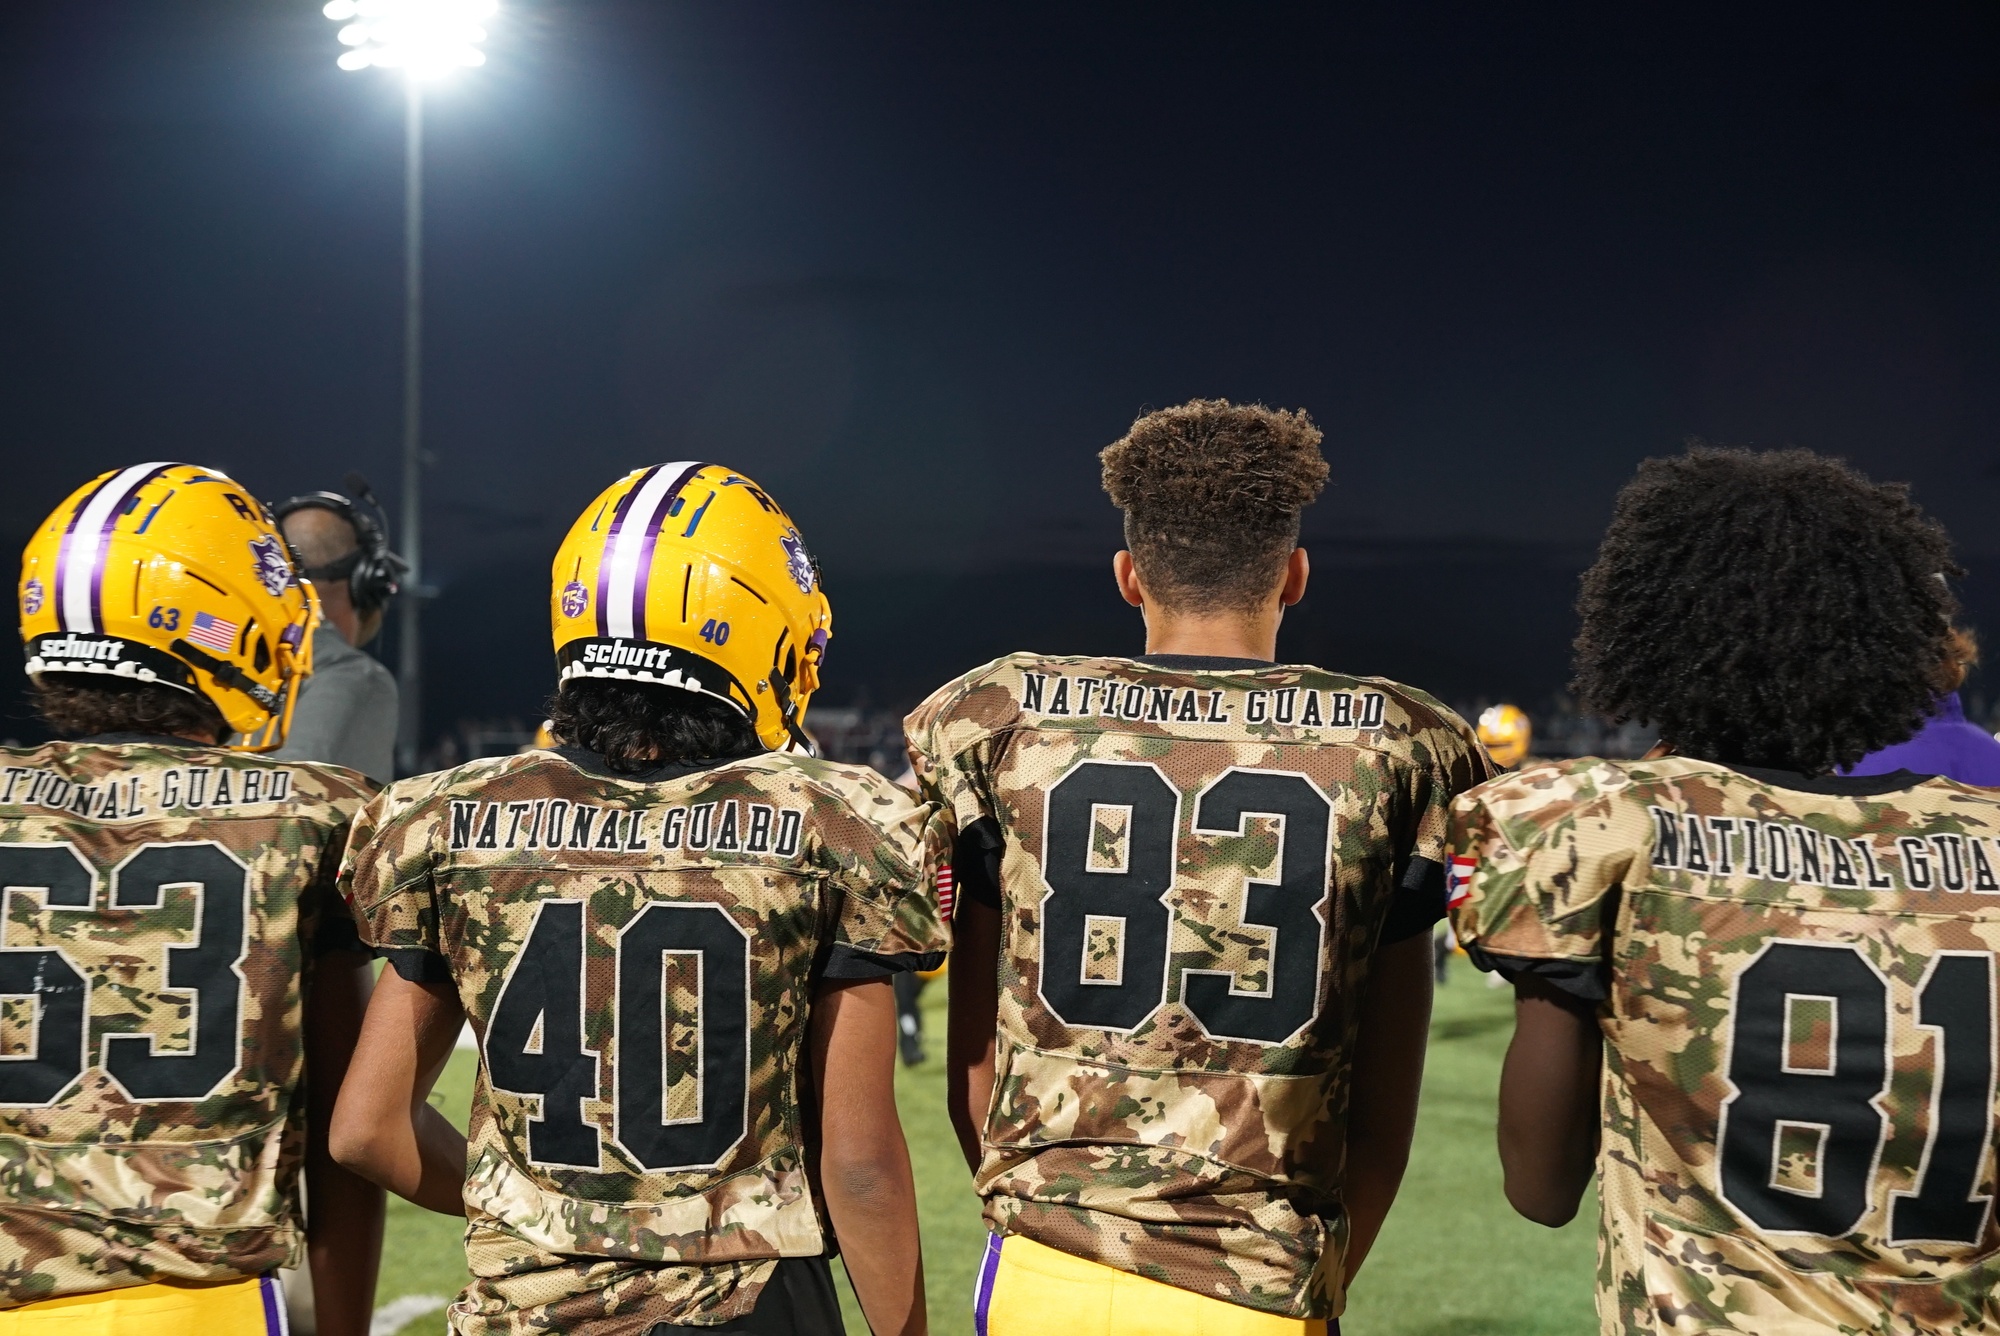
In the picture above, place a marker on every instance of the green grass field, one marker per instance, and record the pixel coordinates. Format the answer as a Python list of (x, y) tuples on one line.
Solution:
[(1454, 1260)]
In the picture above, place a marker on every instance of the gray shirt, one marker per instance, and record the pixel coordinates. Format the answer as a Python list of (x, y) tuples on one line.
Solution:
[(347, 711)]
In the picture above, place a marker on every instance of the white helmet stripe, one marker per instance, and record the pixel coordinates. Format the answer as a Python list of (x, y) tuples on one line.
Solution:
[(80, 562), (629, 558)]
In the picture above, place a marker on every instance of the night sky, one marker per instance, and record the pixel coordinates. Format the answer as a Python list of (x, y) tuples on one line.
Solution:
[(912, 267)]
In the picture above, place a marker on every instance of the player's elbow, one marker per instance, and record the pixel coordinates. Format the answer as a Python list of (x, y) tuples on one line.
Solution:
[(1544, 1202), (865, 1176), (360, 1144)]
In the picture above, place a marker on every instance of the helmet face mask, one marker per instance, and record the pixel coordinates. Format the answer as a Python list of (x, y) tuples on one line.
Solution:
[(172, 574), (689, 575)]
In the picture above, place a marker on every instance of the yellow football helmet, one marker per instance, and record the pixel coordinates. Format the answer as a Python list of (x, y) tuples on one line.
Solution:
[(175, 574), (689, 575), (1506, 734)]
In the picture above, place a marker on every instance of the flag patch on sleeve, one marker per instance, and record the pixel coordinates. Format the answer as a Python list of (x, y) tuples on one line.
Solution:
[(947, 891), (1458, 881)]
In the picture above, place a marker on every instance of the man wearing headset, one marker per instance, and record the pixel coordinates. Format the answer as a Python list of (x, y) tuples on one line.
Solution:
[(347, 713)]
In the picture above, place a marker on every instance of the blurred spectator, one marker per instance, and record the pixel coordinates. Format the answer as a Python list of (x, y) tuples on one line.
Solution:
[(1946, 744), (347, 709)]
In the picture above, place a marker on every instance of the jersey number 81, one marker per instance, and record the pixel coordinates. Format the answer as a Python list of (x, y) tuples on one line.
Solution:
[(1804, 1130)]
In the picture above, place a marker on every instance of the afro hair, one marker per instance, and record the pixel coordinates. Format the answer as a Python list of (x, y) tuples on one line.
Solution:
[(1772, 609)]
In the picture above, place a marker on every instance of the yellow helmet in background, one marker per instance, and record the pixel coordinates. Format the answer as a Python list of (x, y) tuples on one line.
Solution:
[(689, 575), (174, 574), (1506, 734)]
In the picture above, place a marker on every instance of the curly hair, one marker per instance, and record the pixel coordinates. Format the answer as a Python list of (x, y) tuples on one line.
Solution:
[(1212, 492), (1774, 609), (90, 708), (637, 726)]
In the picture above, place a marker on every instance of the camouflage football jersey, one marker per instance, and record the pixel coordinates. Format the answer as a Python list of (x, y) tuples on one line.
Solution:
[(1197, 859), (1796, 982), (160, 905), (637, 958)]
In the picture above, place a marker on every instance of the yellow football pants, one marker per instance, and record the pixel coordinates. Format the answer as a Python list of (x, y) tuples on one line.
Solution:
[(253, 1307), (1028, 1289)]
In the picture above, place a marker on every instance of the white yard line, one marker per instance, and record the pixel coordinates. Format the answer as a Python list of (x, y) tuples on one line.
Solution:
[(393, 1316)]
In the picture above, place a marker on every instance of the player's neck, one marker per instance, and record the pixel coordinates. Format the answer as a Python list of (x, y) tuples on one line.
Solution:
[(1232, 637)]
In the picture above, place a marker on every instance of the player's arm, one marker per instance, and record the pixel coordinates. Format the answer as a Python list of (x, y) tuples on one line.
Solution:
[(972, 1022), (384, 1127), (1388, 1075), (343, 1210), (864, 1166), (1549, 1117)]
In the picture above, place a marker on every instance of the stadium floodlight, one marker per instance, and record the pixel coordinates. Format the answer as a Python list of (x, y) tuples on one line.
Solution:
[(422, 38), (425, 39)]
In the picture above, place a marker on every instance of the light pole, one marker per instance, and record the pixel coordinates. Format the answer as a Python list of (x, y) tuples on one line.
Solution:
[(425, 39)]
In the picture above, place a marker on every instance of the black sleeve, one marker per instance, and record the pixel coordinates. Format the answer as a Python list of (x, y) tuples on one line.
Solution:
[(975, 861), (1581, 979), (851, 962), (336, 932), (416, 965), (1418, 903)]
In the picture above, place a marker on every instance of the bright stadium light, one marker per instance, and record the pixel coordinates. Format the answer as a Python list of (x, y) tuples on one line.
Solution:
[(423, 38)]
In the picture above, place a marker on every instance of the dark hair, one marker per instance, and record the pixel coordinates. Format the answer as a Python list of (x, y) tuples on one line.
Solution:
[(1772, 609), (84, 709), (637, 726), (1212, 493)]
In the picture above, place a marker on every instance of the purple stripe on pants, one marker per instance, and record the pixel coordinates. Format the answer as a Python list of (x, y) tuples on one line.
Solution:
[(982, 1288), (274, 1305)]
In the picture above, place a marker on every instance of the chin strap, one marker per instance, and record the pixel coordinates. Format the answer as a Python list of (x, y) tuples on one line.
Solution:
[(782, 694), (226, 673)]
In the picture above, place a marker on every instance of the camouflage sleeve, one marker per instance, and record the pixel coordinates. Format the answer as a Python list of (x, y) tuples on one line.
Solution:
[(387, 884), (1537, 858), (949, 757), (881, 851), (1456, 762)]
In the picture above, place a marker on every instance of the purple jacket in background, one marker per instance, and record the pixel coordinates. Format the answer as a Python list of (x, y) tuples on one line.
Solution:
[(1946, 745)]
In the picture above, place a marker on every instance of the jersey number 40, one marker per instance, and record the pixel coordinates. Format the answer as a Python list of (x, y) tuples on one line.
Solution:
[(1113, 901), (204, 976), (535, 1036)]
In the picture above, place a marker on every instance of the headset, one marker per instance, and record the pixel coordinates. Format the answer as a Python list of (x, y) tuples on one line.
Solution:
[(373, 573)]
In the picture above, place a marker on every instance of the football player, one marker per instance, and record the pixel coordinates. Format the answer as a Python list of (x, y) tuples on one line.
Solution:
[(1192, 984), (1757, 997), (179, 985), (667, 932)]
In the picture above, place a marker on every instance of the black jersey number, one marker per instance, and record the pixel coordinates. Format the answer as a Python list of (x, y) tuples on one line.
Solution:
[(205, 975), (1109, 858), (1803, 1132), (535, 1037)]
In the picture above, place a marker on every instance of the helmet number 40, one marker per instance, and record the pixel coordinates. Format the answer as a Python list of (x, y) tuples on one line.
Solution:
[(715, 633)]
